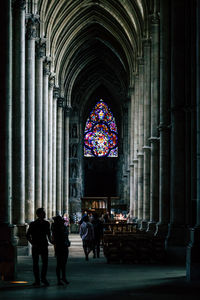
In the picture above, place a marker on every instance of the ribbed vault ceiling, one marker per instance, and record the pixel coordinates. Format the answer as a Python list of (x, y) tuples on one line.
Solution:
[(93, 43)]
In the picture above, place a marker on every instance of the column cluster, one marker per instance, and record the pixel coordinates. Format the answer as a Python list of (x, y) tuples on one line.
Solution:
[(38, 118), (144, 180)]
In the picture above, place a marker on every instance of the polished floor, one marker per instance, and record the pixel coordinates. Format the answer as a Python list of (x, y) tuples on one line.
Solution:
[(96, 279)]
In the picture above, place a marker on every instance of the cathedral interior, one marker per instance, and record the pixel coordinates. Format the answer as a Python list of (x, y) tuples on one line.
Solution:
[(100, 101)]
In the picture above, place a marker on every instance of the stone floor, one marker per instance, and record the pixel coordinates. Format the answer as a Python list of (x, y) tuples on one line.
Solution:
[(96, 279)]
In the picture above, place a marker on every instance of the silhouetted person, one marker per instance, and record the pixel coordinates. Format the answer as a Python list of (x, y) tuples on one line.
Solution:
[(60, 239), (87, 236), (98, 234), (38, 234)]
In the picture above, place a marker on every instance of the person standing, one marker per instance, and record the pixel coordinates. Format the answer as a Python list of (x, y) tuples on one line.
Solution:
[(60, 239), (87, 236), (98, 234), (38, 234)]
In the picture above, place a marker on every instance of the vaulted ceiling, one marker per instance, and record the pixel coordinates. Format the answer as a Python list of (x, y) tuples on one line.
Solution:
[(93, 43)]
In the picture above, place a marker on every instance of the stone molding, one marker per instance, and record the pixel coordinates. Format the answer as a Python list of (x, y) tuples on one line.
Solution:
[(140, 154), (32, 22), (146, 42), (146, 147)]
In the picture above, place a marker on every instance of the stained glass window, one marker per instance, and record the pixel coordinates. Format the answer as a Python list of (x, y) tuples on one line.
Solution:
[(100, 136)]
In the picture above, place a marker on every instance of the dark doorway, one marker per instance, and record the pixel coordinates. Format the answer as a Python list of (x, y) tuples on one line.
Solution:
[(100, 177)]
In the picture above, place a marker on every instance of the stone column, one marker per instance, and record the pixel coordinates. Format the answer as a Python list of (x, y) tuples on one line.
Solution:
[(19, 112), (40, 53), (154, 166), (30, 118), (177, 234), (147, 132), (54, 145), (140, 155), (46, 74), (59, 159), (131, 94), (66, 162), (135, 160), (6, 114), (7, 249), (50, 148), (164, 126), (193, 249)]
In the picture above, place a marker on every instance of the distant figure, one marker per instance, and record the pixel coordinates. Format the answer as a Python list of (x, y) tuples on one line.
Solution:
[(84, 214), (61, 242), (107, 218), (87, 236), (98, 234), (66, 219), (38, 234)]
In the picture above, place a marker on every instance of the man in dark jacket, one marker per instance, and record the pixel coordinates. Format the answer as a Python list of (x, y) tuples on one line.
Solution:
[(38, 235)]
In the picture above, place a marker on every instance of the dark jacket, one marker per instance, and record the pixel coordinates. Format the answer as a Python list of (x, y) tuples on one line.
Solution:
[(38, 233)]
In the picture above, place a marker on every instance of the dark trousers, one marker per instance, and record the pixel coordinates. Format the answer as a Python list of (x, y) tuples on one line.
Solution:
[(61, 257), (43, 252), (96, 249)]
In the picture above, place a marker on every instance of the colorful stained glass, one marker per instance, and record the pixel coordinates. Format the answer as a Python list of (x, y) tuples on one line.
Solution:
[(100, 137)]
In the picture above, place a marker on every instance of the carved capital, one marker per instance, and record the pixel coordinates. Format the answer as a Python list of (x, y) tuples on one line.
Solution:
[(46, 67), (60, 102), (164, 127), (51, 81), (68, 109), (154, 139), (146, 42), (19, 4), (155, 19), (31, 27), (40, 49), (140, 60), (56, 92)]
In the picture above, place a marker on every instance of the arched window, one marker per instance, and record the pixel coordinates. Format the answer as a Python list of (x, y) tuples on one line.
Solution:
[(100, 136)]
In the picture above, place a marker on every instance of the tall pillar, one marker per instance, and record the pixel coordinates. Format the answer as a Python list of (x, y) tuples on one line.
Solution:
[(154, 165), (50, 146), (140, 155), (131, 94), (30, 118), (66, 162), (7, 249), (19, 112), (40, 53), (164, 127), (54, 145), (59, 159), (193, 249), (135, 160), (147, 132), (46, 74), (177, 234)]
